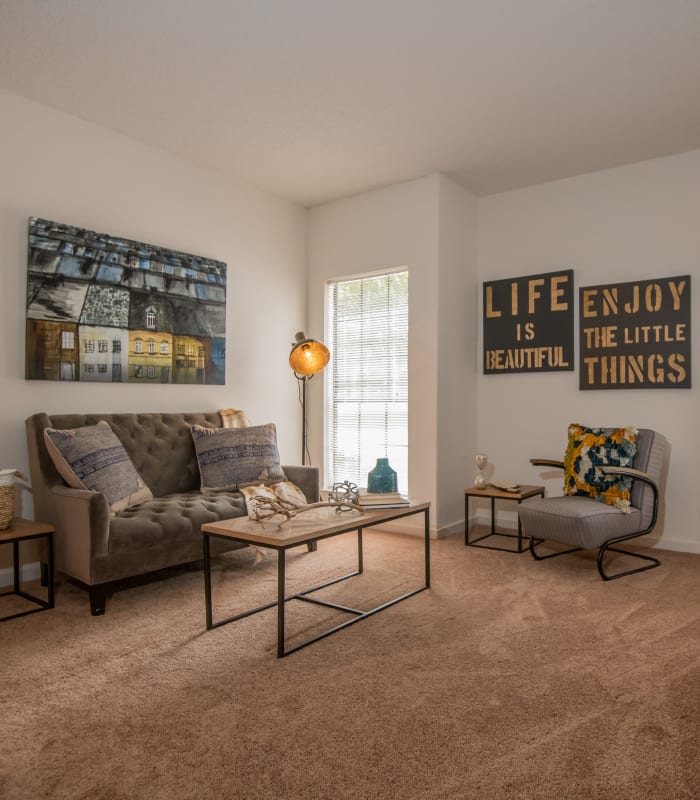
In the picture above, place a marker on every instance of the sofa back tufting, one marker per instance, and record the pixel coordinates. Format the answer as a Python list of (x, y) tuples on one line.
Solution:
[(159, 445)]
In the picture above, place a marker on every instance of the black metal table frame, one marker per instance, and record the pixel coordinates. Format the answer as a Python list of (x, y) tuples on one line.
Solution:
[(283, 598), (493, 531), (47, 575)]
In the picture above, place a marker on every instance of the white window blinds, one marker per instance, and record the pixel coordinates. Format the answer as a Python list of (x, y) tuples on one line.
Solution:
[(367, 383)]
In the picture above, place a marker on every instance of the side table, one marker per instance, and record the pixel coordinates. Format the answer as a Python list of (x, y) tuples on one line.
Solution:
[(22, 530), (498, 494)]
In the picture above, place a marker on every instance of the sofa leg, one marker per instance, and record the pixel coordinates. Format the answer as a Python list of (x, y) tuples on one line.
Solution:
[(98, 600), (312, 547)]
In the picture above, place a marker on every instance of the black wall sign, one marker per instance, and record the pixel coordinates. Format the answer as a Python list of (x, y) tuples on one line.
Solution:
[(529, 323), (635, 335)]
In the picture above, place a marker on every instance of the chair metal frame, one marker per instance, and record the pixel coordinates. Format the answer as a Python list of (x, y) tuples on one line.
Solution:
[(635, 474)]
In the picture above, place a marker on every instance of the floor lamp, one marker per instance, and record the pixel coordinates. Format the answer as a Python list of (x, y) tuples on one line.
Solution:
[(308, 357)]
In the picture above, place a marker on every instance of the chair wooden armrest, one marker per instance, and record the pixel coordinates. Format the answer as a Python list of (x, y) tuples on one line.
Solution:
[(637, 474), (547, 462)]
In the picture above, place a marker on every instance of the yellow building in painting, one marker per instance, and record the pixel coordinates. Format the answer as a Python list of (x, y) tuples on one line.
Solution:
[(150, 357), (190, 356)]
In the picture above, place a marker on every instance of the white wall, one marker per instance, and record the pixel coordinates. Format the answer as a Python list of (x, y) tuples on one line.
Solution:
[(634, 222), (623, 224), (60, 168), (458, 298), (419, 225)]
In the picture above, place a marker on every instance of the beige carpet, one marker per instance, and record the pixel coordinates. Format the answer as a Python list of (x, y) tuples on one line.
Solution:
[(508, 679)]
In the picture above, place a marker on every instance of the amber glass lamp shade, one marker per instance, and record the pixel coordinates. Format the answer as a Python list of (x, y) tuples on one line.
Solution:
[(308, 356)]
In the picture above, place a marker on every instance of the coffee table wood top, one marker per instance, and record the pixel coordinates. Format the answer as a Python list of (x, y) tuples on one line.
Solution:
[(306, 527)]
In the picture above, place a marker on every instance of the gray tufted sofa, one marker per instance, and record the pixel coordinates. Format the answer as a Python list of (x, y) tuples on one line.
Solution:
[(100, 551)]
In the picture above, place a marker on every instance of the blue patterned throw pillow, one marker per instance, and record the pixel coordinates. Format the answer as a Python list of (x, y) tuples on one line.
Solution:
[(232, 457), (587, 450), (93, 458)]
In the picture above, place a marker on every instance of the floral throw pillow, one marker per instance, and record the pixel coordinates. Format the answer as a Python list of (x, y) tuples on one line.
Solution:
[(589, 449)]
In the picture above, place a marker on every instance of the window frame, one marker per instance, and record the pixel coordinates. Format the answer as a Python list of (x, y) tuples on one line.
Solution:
[(403, 470)]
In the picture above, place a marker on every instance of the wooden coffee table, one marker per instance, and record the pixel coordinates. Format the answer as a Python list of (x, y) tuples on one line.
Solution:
[(306, 529)]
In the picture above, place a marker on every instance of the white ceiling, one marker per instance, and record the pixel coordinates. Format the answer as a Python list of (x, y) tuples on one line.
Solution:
[(317, 99)]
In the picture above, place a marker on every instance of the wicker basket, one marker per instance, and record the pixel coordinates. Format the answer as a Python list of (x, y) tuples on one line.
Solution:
[(7, 506), (7, 496)]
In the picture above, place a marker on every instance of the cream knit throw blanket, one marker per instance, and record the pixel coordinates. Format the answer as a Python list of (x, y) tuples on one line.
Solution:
[(233, 418)]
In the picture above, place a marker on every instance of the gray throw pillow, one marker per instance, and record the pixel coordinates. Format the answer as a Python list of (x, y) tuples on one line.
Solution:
[(93, 458), (233, 457)]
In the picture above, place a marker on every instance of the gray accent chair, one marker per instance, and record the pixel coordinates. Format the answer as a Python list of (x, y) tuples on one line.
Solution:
[(583, 523), (100, 551)]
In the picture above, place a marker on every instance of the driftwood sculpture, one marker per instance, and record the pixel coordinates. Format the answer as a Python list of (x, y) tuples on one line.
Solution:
[(342, 497)]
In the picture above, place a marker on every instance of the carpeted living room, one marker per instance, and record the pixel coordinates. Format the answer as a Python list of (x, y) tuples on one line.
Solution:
[(507, 679), (522, 180)]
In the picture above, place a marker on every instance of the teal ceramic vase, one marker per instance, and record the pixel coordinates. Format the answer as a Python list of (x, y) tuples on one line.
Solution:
[(382, 478)]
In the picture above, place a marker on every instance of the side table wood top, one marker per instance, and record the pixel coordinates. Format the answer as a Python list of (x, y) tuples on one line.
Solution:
[(21, 528), (491, 491)]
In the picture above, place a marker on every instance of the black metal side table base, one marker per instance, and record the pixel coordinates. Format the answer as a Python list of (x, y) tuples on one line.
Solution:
[(519, 548), (22, 530), (494, 494)]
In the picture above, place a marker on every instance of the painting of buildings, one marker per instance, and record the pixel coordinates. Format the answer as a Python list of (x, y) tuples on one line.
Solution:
[(102, 308)]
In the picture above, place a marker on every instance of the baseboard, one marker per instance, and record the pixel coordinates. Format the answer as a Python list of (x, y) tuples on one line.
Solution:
[(669, 543), (414, 527), (28, 572), (451, 530)]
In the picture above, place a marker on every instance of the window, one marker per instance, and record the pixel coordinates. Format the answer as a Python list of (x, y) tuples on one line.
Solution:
[(367, 378), (151, 346), (138, 346), (89, 346), (150, 317), (151, 372), (89, 368), (102, 345), (116, 346), (164, 347), (67, 340)]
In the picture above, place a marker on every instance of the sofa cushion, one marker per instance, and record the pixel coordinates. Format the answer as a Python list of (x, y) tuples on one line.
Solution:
[(163, 522), (93, 458), (233, 457), (587, 450)]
